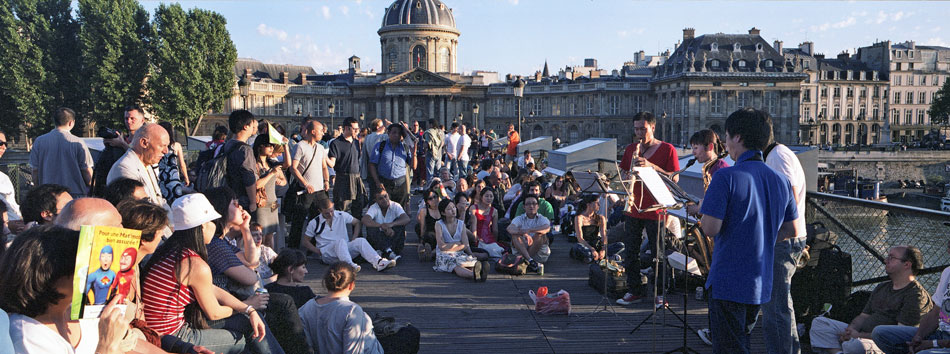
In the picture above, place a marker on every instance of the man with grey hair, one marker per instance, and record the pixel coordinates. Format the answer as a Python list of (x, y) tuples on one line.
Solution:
[(149, 144), (59, 157), (88, 211)]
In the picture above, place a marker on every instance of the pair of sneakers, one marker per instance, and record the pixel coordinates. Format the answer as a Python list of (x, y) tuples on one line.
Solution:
[(388, 253), (383, 264), (630, 299)]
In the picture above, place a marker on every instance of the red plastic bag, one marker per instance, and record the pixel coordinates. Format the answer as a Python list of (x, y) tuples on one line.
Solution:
[(556, 304)]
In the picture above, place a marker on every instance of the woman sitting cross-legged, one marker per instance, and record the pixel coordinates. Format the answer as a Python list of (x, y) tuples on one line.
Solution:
[(291, 268), (334, 324), (591, 228), (178, 294), (453, 252)]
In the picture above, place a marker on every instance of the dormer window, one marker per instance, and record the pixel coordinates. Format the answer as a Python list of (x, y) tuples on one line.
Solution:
[(758, 47), (768, 63), (714, 63), (714, 47), (741, 63), (736, 48)]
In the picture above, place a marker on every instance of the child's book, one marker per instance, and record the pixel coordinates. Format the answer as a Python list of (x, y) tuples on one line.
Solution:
[(105, 268)]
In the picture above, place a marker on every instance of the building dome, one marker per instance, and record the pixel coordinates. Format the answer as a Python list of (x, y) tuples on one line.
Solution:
[(421, 14)]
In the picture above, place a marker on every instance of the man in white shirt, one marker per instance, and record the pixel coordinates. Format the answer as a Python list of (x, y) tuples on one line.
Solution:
[(332, 242), (525, 159), (464, 143), (386, 222), (149, 144), (529, 233), (780, 331), (451, 150), (310, 170)]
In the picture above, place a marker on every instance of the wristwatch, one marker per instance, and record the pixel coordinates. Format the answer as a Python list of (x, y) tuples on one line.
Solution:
[(935, 344)]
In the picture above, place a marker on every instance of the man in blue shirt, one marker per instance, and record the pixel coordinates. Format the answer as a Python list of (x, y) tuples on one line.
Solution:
[(747, 208), (389, 164)]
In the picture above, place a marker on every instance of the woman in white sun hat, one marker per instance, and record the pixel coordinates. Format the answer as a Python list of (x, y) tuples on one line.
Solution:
[(178, 285)]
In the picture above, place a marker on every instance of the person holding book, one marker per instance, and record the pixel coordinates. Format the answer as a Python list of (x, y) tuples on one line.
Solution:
[(178, 278), (37, 293)]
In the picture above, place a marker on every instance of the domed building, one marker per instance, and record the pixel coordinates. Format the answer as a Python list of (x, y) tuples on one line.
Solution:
[(418, 34)]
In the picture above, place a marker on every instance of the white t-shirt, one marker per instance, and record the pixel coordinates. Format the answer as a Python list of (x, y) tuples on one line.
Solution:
[(303, 152), (783, 160), (941, 298), (452, 142), (330, 233), (31, 336), (392, 213), (523, 222), (522, 162), (464, 143), (7, 195)]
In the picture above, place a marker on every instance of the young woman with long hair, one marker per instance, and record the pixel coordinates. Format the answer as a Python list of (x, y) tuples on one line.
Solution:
[(591, 227), (426, 219), (484, 219), (454, 253)]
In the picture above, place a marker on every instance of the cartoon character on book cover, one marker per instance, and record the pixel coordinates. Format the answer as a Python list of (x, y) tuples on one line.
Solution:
[(122, 285), (100, 280)]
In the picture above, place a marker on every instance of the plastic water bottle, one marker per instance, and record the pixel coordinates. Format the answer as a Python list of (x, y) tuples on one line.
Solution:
[(541, 269)]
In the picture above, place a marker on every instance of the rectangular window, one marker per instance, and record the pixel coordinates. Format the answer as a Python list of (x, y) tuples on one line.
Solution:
[(910, 98), (537, 106), (824, 92), (715, 101), (556, 107), (279, 106), (923, 80), (897, 97), (498, 107), (897, 79), (877, 92), (910, 54), (921, 98), (318, 107), (920, 116), (806, 95), (836, 113), (850, 92), (573, 106), (771, 103), (590, 105), (864, 92), (807, 113), (745, 99), (862, 113), (614, 102), (824, 112), (837, 91), (638, 104), (850, 113), (908, 116), (875, 113)]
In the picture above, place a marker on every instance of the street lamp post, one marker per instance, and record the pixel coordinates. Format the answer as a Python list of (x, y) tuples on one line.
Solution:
[(330, 109), (362, 118), (519, 92), (475, 116), (244, 86), (459, 119)]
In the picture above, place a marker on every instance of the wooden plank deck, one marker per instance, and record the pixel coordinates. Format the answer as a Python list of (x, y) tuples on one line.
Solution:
[(459, 316)]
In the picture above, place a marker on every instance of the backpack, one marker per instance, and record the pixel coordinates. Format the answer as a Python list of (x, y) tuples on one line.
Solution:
[(511, 264), (214, 173)]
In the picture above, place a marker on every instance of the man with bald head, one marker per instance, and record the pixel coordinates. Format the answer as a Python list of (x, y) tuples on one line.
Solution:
[(88, 211), (149, 144)]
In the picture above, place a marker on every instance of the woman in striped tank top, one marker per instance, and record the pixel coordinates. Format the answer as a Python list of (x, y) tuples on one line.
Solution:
[(178, 294)]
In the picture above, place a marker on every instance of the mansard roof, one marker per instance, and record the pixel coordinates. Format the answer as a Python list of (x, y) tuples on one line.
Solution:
[(271, 72)]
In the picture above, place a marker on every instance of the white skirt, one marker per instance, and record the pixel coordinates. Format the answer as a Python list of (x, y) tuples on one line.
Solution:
[(447, 261)]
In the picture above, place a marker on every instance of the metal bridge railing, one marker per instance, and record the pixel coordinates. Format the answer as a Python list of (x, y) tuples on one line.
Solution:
[(867, 229)]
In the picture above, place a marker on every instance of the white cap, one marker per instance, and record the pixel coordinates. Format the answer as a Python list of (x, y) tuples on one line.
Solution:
[(192, 210)]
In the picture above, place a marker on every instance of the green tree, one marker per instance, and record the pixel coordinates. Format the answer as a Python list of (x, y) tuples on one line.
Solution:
[(940, 107), (193, 65), (22, 98), (114, 39)]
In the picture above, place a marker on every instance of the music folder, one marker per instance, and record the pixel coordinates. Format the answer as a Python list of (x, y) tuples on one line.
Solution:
[(654, 185)]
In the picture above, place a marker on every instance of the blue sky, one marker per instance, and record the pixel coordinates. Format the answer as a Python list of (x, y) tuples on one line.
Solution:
[(516, 36)]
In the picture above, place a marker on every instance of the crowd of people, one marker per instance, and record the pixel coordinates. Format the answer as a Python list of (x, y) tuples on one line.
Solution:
[(223, 257)]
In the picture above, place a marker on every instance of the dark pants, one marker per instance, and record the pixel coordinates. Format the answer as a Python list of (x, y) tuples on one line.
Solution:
[(378, 239), (730, 324), (632, 239), (398, 190), (300, 216), (406, 340), (284, 322)]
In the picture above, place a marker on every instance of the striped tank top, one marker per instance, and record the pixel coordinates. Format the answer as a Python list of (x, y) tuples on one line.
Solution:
[(164, 298)]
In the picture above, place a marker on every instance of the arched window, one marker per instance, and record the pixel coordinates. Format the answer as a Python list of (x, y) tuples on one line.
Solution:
[(742, 63), (444, 60), (768, 63), (573, 134), (714, 47), (537, 131), (714, 63), (736, 47), (419, 57)]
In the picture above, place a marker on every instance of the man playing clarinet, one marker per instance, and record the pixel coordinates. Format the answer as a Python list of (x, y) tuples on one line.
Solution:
[(645, 151)]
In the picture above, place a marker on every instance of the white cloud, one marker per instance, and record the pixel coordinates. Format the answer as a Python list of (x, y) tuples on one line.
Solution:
[(345, 10), (326, 12), (848, 22), (304, 50), (369, 13), (513, 2), (634, 31), (267, 31), (937, 41), (882, 17)]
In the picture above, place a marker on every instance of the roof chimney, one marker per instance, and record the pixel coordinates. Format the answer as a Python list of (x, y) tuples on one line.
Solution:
[(844, 56), (303, 78), (754, 31), (777, 45), (688, 33), (248, 72), (807, 48), (285, 77)]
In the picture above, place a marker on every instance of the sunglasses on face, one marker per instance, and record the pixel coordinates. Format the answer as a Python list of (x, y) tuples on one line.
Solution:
[(3, 143)]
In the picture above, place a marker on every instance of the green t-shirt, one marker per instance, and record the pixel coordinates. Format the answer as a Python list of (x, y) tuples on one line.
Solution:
[(890, 307)]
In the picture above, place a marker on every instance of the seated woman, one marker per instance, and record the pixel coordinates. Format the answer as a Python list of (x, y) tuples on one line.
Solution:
[(334, 324), (37, 292), (425, 224), (291, 268), (463, 209), (179, 296), (591, 228), (264, 273), (484, 219), (453, 253), (557, 194)]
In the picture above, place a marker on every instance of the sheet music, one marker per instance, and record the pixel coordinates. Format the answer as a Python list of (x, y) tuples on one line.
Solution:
[(651, 180)]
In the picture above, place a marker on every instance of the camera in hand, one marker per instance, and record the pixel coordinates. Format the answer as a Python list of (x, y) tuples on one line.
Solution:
[(107, 133)]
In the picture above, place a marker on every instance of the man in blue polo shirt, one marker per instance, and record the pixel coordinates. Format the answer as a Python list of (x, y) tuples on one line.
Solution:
[(747, 208), (389, 164)]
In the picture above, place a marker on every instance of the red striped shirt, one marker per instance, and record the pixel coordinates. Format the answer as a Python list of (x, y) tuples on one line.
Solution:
[(164, 298)]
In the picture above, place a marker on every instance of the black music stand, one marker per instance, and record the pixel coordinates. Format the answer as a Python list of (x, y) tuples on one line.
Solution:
[(595, 183), (663, 190)]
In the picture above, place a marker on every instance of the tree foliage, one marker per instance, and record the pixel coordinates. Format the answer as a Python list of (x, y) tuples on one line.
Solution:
[(192, 64), (114, 38), (940, 107), (22, 98)]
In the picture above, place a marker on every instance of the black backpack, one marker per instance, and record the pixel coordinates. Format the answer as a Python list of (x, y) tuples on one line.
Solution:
[(214, 173)]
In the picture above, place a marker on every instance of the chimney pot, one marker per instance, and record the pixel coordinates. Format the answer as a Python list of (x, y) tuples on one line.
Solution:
[(754, 31), (688, 33)]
